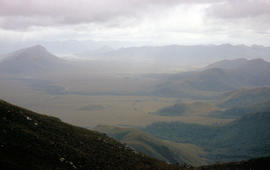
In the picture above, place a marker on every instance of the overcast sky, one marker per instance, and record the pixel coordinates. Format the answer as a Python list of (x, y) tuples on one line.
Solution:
[(155, 22)]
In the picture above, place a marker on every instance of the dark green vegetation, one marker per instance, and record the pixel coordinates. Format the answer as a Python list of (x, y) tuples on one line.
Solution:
[(186, 109), (252, 164), (240, 102), (244, 138), (32, 141), (175, 110), (233, 104), (175, 153), (92, 107), (244, 97)]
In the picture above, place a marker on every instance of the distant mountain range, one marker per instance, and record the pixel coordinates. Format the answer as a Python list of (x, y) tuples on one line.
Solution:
[(196, 54), (212, 80)]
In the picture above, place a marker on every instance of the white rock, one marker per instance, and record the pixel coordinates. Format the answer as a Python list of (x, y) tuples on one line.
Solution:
[(28, 118), (62, 159)]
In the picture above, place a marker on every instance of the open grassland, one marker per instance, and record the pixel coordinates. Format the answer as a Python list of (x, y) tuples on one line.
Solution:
[(91, 110)]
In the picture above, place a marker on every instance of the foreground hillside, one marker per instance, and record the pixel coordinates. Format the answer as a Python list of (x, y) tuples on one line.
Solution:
[(32, 141)]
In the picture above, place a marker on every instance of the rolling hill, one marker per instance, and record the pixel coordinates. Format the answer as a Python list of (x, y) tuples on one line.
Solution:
[(228, 64), (215, 79), (233, 104), (186, 108), (244, 138), (240, 102), (244, 97), (175, 153), (32, 141)]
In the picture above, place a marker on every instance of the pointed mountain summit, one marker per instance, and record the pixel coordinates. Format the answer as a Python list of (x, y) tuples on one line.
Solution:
[(36, 52), (34, 59)]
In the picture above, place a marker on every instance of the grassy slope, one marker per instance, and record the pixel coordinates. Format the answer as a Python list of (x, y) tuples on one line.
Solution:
[(240, 102), (245, 138), (229, 105), (244, 97), (186, 108), (32, 141), (161, 149)]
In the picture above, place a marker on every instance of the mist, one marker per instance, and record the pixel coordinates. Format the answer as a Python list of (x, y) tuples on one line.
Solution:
[(114, 84)]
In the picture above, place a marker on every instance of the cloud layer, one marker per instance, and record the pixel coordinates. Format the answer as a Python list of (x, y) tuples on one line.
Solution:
[(145, 19)]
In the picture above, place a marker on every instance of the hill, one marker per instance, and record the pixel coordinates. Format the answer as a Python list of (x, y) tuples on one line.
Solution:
[(175, 153), (183, 108), (244, 97), (215, 79), (228, 64), (32, 141), (244, 138), (32, 60), (240, 102), (254, 164)]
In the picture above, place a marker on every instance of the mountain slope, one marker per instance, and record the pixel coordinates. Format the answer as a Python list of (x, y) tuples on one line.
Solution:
[(216, 79), (161, 149), (32, 141), (240, 102), (30, 60), (228, 64), (245, 138), (186, 108), (244, 97)]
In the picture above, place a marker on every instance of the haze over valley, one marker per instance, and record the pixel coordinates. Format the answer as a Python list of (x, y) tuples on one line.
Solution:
[(135, 85)]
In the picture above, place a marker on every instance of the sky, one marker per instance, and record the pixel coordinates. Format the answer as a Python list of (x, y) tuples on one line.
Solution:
[(140, 22)]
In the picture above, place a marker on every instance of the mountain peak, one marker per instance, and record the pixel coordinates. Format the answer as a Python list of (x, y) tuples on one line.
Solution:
[(33, 52), (36, 49), (38, 46), (31, 60)]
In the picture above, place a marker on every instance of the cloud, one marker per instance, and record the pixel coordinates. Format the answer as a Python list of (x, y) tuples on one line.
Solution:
[(155, 21), (18, 14), (244, 15), (236, 9)]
